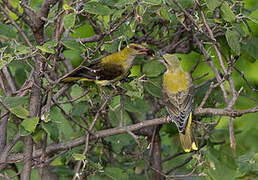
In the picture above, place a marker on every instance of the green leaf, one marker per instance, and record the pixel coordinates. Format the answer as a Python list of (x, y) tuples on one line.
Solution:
[(5, 57), (217, 169), (116, 173), (140, 10), (67, 7), (135, 71), (239, 29), (111, 48), (30, 124), (116, 3), (51, 129), (114, 116), (64, 172), (21, 49), (80, 108), (97, 8), (57, 161), (227, 13), (15, 101), (20, 112), (115, 102), (78, 157), (153, 86), (69, 21), (251, 47), (153, 2), (153, 68), (233, 38), (164, 12), (46, 50), (93, 166), (247, 163), (186, 3), (38, 135), (212, 4), (71, 44), (136, 105), (153, 90), (48, 47), (8, 31), (23, 132), (247, 56), (133, 88), (74, 56), (119, 141)]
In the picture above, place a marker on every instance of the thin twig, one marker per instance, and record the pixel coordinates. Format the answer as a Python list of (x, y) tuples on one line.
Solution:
[(231, 136), (121, 110), (88, 135), (206, 95), (245, 79), (16, 26)]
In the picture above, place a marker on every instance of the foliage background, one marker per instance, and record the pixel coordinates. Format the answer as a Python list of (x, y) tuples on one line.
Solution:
[(40, 41)]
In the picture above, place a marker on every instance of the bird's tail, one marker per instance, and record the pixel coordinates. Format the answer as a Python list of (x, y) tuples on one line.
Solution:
[(70, 79), (187, 139)]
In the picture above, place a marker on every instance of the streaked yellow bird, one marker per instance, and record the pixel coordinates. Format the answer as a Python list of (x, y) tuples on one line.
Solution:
[(178, 92), (109, 69)]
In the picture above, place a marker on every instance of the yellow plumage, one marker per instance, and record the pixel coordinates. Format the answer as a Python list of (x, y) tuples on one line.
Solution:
[(109, 69), (186, 139), (178, 91)]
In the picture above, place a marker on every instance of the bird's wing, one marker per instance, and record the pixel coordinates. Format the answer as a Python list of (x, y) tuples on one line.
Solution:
[(98, 71), (179, 106)]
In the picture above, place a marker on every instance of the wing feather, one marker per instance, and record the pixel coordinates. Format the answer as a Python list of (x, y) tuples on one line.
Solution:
[(179, 106), (98, 71)]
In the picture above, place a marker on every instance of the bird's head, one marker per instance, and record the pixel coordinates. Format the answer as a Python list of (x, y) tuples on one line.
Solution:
[(170, 61), (134, 49)]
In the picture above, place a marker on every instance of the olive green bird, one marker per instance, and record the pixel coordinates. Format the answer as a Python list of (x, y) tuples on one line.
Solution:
[(178, 92), (109, 69)]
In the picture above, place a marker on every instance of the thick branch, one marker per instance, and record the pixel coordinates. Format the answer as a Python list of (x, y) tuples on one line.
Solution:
[(81, 140), (225, 112), (47, 4)]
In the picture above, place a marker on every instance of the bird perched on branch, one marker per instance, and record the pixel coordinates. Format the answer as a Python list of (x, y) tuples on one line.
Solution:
[(178, 92), (109, 69)]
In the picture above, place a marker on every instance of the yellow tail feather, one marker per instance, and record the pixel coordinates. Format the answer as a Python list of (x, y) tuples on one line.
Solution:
[(70, 79), (186, 139)]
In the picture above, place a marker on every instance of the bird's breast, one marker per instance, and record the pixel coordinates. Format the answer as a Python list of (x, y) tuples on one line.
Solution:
[(175, 82)]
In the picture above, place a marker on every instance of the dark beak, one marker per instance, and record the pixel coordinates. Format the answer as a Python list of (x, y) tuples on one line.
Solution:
[(147, 52)]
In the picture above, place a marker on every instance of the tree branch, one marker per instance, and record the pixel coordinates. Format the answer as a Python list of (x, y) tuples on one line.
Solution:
[(225, 112), (80, 141)]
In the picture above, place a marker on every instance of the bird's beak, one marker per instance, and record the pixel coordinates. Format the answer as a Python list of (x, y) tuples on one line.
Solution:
[(163, 61), (146, 52)]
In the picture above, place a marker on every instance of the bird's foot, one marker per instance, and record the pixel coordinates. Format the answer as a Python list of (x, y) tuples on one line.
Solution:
[(168, 119), (127, 79)]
